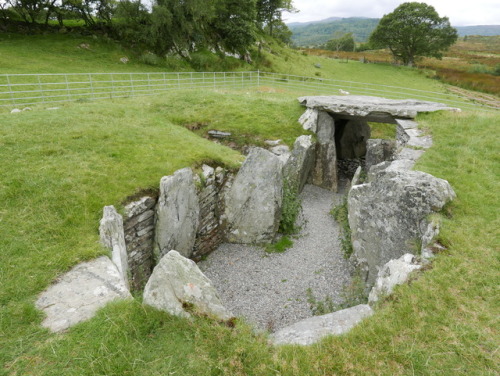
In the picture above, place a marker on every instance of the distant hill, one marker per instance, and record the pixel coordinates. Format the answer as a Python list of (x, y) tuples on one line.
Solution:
[(319, 32)]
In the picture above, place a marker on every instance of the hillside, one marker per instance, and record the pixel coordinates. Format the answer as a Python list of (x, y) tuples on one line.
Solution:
[(319, 32), (60, 167)]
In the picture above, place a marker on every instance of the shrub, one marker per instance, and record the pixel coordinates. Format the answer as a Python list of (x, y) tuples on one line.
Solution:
[(340, 214), (290, 209)]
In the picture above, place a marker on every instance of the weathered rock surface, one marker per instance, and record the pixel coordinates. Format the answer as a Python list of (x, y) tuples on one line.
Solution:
[(386, 215), (373, 108), (253, 203), (177, 214), (378, 151), (298, 167), (113, 237), (309, 120), (177, 283), (78, 294), (351, 138), (393, 273), (311, 330)]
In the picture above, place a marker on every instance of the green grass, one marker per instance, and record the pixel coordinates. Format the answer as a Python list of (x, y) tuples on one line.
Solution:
[(59, 168), (280, 246)]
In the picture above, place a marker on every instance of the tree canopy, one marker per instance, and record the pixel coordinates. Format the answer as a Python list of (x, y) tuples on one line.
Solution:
[(414, 29)]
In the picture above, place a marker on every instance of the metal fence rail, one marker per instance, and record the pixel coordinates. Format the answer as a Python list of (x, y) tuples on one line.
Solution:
[(18, 90)]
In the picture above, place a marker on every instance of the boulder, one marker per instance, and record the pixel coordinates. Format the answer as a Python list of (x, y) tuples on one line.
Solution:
[(177, 214), (78, 294), (177, 285), (298, 167), (393, 273), (387, 214), (351, 138), (253, 203), (113, 237), (378, 151), (325, 129), (313, 329)]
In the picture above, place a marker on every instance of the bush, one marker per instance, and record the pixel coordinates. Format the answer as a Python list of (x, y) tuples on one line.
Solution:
[(290, 209)]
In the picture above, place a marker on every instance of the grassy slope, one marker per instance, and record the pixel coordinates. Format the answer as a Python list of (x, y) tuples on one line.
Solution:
[(58, 173)]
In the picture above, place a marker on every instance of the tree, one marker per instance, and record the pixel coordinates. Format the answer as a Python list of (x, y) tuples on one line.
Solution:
[(341, 42), (414, 29), (269, 13)]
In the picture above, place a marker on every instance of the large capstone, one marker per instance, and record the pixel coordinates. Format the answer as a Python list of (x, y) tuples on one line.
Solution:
[(253, 204), (177, 214), (387, 214), (78, 294), (177, 286)]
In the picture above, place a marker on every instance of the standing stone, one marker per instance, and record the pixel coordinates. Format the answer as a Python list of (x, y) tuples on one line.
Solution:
[(324, 174), (378, 151), (177, 283), (253, 203), (309, 120), (177, 214), (301, 162), (113, 237), (78, 294), (386, 215)]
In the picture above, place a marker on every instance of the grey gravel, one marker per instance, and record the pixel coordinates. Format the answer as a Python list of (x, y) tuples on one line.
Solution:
[(269, 290)]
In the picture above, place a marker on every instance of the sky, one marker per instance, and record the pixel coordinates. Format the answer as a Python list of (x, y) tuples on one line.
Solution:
[(460, 12)]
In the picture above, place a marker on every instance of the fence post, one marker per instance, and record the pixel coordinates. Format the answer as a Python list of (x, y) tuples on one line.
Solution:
[(258, 78), (91, 86), (131, 85), (68, 94), (40, 87), (10, 90)]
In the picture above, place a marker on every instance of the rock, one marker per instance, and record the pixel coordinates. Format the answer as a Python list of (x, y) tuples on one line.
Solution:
[(124, 60), (298, 167), (386, 214), (272, 142), (311, 330), (324, 174), (351, 138), (15, 111), (325, 128), (219, 134), (282, 152), (309, 120), (393, 273), (378, 151), (27, 109), (356, 179), (177, 214), (78, 294), (177, 283), (253, 203), (113, 237), (373, 108)]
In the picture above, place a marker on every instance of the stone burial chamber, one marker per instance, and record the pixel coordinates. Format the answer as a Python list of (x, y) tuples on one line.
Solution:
[(154, 244)]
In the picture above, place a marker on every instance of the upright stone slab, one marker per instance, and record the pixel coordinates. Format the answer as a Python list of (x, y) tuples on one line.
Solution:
[(78, 294), (113, 237), (177, 283), (253, 204), (378, 151), (177, 214), (298, 167), (387, 214)]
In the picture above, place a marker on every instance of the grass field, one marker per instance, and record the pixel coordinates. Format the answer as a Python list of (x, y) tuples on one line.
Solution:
[(59, 168)]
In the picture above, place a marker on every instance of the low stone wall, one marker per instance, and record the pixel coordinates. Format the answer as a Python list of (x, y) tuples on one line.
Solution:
[(210, 232), (138, 227)]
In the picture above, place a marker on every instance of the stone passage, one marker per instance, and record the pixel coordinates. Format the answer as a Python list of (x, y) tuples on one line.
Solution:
[(269, 290)]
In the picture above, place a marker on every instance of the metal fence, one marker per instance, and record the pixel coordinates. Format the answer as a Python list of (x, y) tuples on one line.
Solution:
[(17, 90)]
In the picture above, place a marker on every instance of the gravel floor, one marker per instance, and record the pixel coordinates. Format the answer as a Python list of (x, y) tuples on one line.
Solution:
[(269, 290)]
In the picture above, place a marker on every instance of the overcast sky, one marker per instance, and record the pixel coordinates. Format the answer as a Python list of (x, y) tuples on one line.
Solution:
[(460, 12)]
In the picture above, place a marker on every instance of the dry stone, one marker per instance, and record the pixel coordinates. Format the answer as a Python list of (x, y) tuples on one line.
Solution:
[(253, 203), (113, 237), (177, 283), (78, 294), (387, 214), (177, 214), (311, 330)]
